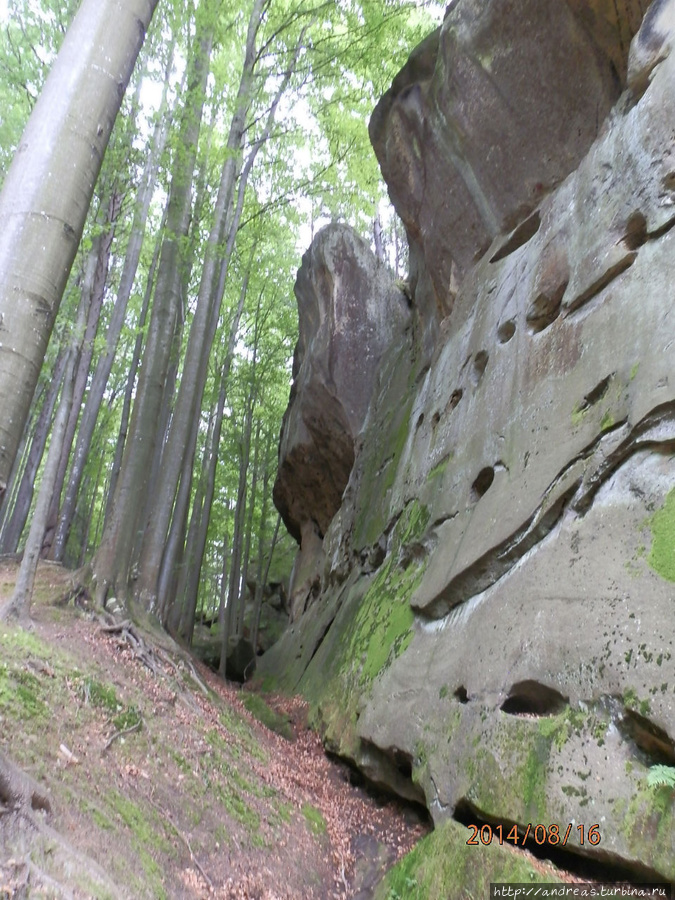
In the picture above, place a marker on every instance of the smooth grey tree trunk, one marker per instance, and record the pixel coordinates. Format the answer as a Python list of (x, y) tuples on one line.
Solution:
[(104, 365), (48, 189)]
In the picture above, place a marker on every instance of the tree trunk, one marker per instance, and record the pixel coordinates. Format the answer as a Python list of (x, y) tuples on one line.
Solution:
[(205, 321), (93, 289), (196, 557), (111, 565), (131, 375), (19, 604), (257, 607), (104, 365), (15, 524), (47, 191)]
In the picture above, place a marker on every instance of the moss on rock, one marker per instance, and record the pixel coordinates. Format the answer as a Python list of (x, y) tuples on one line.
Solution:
[(662, 554), (443, 865)]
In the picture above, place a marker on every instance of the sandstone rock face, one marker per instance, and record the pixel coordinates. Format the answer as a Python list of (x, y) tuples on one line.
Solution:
[(493, 110), (349, 312), (495, 634)]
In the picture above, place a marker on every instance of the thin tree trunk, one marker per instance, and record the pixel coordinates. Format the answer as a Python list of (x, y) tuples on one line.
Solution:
[(377, 236), (93, 289), (262, 582), (247, 534), (111, 565), (15, 524), (47, 191), (131, 376), (239, 520), (19, 605), (180, 575), (176, 537), (105, 362), (205, 321), (196, 558)]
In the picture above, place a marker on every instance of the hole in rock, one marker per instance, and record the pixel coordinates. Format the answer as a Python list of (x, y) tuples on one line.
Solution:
[(521, 235), (594, 865), (604, 279), (545, 308), (420, 421), (531, 698), (653, 741), (461, 694), (506, 331), (455, 397), (403, 764), (669, 181), (480, 362), (636, 231), (483, 483), (594, 396), (435, 419)]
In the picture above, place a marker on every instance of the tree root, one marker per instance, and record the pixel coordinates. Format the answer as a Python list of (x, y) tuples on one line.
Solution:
[(25, 834), (119, 734), (18, 791), (142, 651)]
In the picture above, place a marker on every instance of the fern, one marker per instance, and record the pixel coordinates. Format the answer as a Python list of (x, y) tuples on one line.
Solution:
[(661, 776)]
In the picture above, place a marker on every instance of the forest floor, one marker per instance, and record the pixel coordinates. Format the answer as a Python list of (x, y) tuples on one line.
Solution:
[(129, 770), (166, 783)]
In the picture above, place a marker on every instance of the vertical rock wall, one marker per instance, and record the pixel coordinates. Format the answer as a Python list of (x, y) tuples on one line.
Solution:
[(495, 632)]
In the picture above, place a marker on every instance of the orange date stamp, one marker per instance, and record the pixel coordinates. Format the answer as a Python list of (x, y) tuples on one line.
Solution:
[(518, 835)]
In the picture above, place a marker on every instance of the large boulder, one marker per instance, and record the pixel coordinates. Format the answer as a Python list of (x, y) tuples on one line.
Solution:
[(495, 636), (492, 111), (350, 309)]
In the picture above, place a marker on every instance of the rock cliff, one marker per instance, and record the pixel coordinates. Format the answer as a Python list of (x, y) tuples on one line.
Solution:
[(350, 310), (494, 635)]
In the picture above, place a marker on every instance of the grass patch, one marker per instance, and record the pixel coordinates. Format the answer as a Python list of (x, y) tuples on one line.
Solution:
[(275, 721), (315, 820)]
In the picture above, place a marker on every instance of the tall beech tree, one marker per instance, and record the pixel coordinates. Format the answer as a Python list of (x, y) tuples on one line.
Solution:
[(176, 403), (47, 191)]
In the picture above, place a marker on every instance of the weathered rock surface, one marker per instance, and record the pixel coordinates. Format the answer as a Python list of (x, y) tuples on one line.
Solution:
[(491, 111), (495, 631), (350, 310)]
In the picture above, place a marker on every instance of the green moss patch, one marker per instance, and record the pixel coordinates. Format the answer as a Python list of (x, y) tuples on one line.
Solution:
[(315, 820), (662, 554), (275, 721), (443, 865)]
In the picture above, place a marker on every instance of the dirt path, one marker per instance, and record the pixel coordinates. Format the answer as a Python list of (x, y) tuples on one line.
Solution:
[(167, 783)]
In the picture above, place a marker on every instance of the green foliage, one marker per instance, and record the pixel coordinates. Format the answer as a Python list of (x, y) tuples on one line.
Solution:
[(661, 776)]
